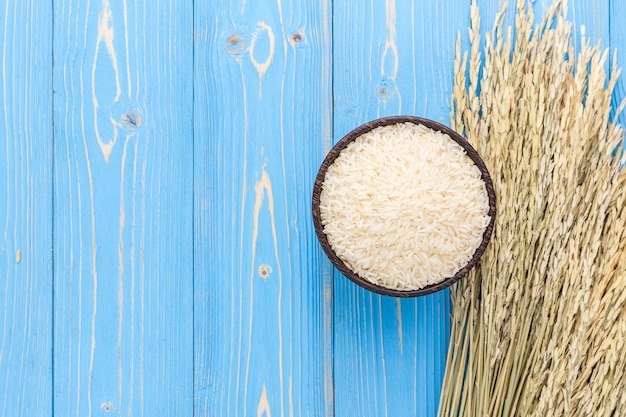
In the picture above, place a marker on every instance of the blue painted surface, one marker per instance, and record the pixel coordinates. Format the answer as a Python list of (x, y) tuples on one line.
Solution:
[(25, 209), (123, 236), (157, 255), (262, 117)]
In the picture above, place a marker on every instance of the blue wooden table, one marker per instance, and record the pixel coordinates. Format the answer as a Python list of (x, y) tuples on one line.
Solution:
[(157, 254)]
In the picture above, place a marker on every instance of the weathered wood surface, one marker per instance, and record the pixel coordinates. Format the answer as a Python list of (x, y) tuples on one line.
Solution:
[(123, 244), (262, 117), (26, 209), (392, 57), (157, 255)]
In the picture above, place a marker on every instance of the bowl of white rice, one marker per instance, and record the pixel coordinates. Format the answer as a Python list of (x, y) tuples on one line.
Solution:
[(403, 206)]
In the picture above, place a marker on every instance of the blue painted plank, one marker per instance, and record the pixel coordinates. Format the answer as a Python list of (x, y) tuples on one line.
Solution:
[(262, 344), (262, 117), (390, 58), (595, 17), (393, 57), (25, 208), (617, 20), (123, 342)]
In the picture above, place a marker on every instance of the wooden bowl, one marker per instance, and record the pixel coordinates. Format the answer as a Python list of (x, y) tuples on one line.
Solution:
[(341, 145)]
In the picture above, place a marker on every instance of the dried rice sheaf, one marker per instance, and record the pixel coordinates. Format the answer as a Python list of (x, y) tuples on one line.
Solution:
[(539, 327)]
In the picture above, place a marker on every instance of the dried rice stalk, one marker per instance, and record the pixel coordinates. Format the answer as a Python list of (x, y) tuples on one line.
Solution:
[(539, 328)]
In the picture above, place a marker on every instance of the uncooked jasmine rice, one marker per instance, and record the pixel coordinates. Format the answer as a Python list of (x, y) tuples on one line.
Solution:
[(404, 207)]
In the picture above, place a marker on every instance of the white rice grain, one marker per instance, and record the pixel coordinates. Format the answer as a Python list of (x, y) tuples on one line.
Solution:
[(404, 207)]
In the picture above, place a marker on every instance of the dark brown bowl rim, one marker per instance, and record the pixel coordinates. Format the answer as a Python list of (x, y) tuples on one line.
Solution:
[(341, 145)]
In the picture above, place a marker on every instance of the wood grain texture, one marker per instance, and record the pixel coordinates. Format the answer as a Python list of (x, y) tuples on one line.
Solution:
[(25, 208), (392, 57), (123, 342), (396, 57), (156, 167), (617, 25), (263, 312)]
